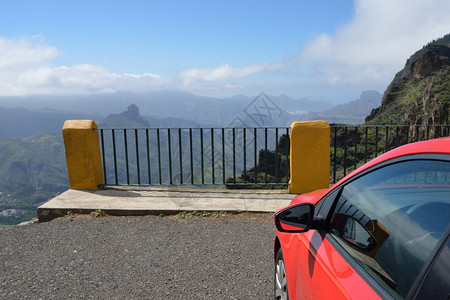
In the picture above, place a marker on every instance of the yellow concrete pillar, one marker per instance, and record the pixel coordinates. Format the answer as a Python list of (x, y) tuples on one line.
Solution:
[(310, 156), (84, 164)]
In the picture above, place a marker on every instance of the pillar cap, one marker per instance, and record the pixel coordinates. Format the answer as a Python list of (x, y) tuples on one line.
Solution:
[(79, 124), (310, 124)]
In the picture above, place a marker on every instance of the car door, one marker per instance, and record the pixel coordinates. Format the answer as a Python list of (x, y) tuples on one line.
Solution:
[(382, 228)]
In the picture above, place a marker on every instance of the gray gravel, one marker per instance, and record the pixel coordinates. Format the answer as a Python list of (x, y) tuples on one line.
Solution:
[(147, 257)]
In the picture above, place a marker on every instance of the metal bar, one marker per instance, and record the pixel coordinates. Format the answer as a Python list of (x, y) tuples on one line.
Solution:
[(234, 155), (255, 155), (396, 136), (276, 155), (137, 156), (115, 156), (265, 155), (212, 156), (365, 147), (345, 150), (386, 146), (201, 152), (192, 156), (159, 155), (407, 134), (103, 157), (170, 156), (181, 155), (148, 157), (223, 155), (376, 141), (335, 154), (287, 156), (126, 155), (245, 156), (356, 148)]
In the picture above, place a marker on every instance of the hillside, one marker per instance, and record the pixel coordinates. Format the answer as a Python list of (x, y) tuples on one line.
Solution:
[(420, 93), (32, 170)]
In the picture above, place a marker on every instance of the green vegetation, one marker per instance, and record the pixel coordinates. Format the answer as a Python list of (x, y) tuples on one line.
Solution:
[(33, 170), (196, 213), (272, 167), (97, 213), (423, 101)]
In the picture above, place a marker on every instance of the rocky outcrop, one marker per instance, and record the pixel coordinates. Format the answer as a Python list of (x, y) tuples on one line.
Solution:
[(132, 113), (127, 119), (434, 59), (420, 93)]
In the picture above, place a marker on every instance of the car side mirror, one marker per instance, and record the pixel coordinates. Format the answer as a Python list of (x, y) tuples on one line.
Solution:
[(294, 219), (357, 235)]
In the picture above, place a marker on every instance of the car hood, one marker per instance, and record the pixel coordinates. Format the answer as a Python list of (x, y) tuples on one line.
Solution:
[(312, 197)]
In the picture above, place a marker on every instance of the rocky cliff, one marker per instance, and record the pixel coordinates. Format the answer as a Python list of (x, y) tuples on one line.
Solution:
[(420, 93)]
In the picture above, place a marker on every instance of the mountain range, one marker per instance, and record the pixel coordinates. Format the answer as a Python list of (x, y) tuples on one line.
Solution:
[(32, 161), (22, 117)]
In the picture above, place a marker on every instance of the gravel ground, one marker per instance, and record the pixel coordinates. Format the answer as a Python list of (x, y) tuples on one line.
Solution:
[(147, 257)]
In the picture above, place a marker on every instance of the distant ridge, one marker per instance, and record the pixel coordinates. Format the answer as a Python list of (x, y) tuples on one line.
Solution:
[(353, 112)]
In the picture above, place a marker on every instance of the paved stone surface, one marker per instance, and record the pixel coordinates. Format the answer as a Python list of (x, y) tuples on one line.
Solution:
[(146, 257), (135, 201)]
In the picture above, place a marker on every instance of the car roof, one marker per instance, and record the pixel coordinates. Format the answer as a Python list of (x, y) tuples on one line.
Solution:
[(440, 145)]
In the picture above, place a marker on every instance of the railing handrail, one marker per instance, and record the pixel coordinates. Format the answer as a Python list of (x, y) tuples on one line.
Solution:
[(187, 128), (201, 155), (174, 155)]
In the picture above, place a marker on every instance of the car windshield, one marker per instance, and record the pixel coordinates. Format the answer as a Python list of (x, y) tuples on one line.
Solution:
[(403, 209)]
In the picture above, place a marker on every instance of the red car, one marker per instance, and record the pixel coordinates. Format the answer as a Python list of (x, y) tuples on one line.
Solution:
[(380, 232)]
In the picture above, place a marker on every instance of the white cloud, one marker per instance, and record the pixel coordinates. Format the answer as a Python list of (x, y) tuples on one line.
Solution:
[(17, 53), (143, 75), (378, 40), (26, 69), (224, 72)]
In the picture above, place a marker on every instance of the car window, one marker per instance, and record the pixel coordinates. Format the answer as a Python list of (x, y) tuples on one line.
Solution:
[(436, 284), (390, 220)]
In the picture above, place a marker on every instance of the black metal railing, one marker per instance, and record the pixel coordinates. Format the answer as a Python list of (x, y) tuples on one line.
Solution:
[(352, 146), (231, 157), (238, 157)]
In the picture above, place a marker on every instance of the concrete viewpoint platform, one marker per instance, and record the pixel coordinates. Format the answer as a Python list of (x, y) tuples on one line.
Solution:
[(155, 200)]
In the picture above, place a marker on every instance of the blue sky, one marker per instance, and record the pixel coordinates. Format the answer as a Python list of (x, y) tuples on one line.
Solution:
[(324, 50)]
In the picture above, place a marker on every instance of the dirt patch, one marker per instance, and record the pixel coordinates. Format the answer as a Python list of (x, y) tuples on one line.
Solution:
[(266, 217)]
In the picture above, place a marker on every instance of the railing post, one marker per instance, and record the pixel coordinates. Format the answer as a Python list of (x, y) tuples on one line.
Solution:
[(310, 156), (84, 163)]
